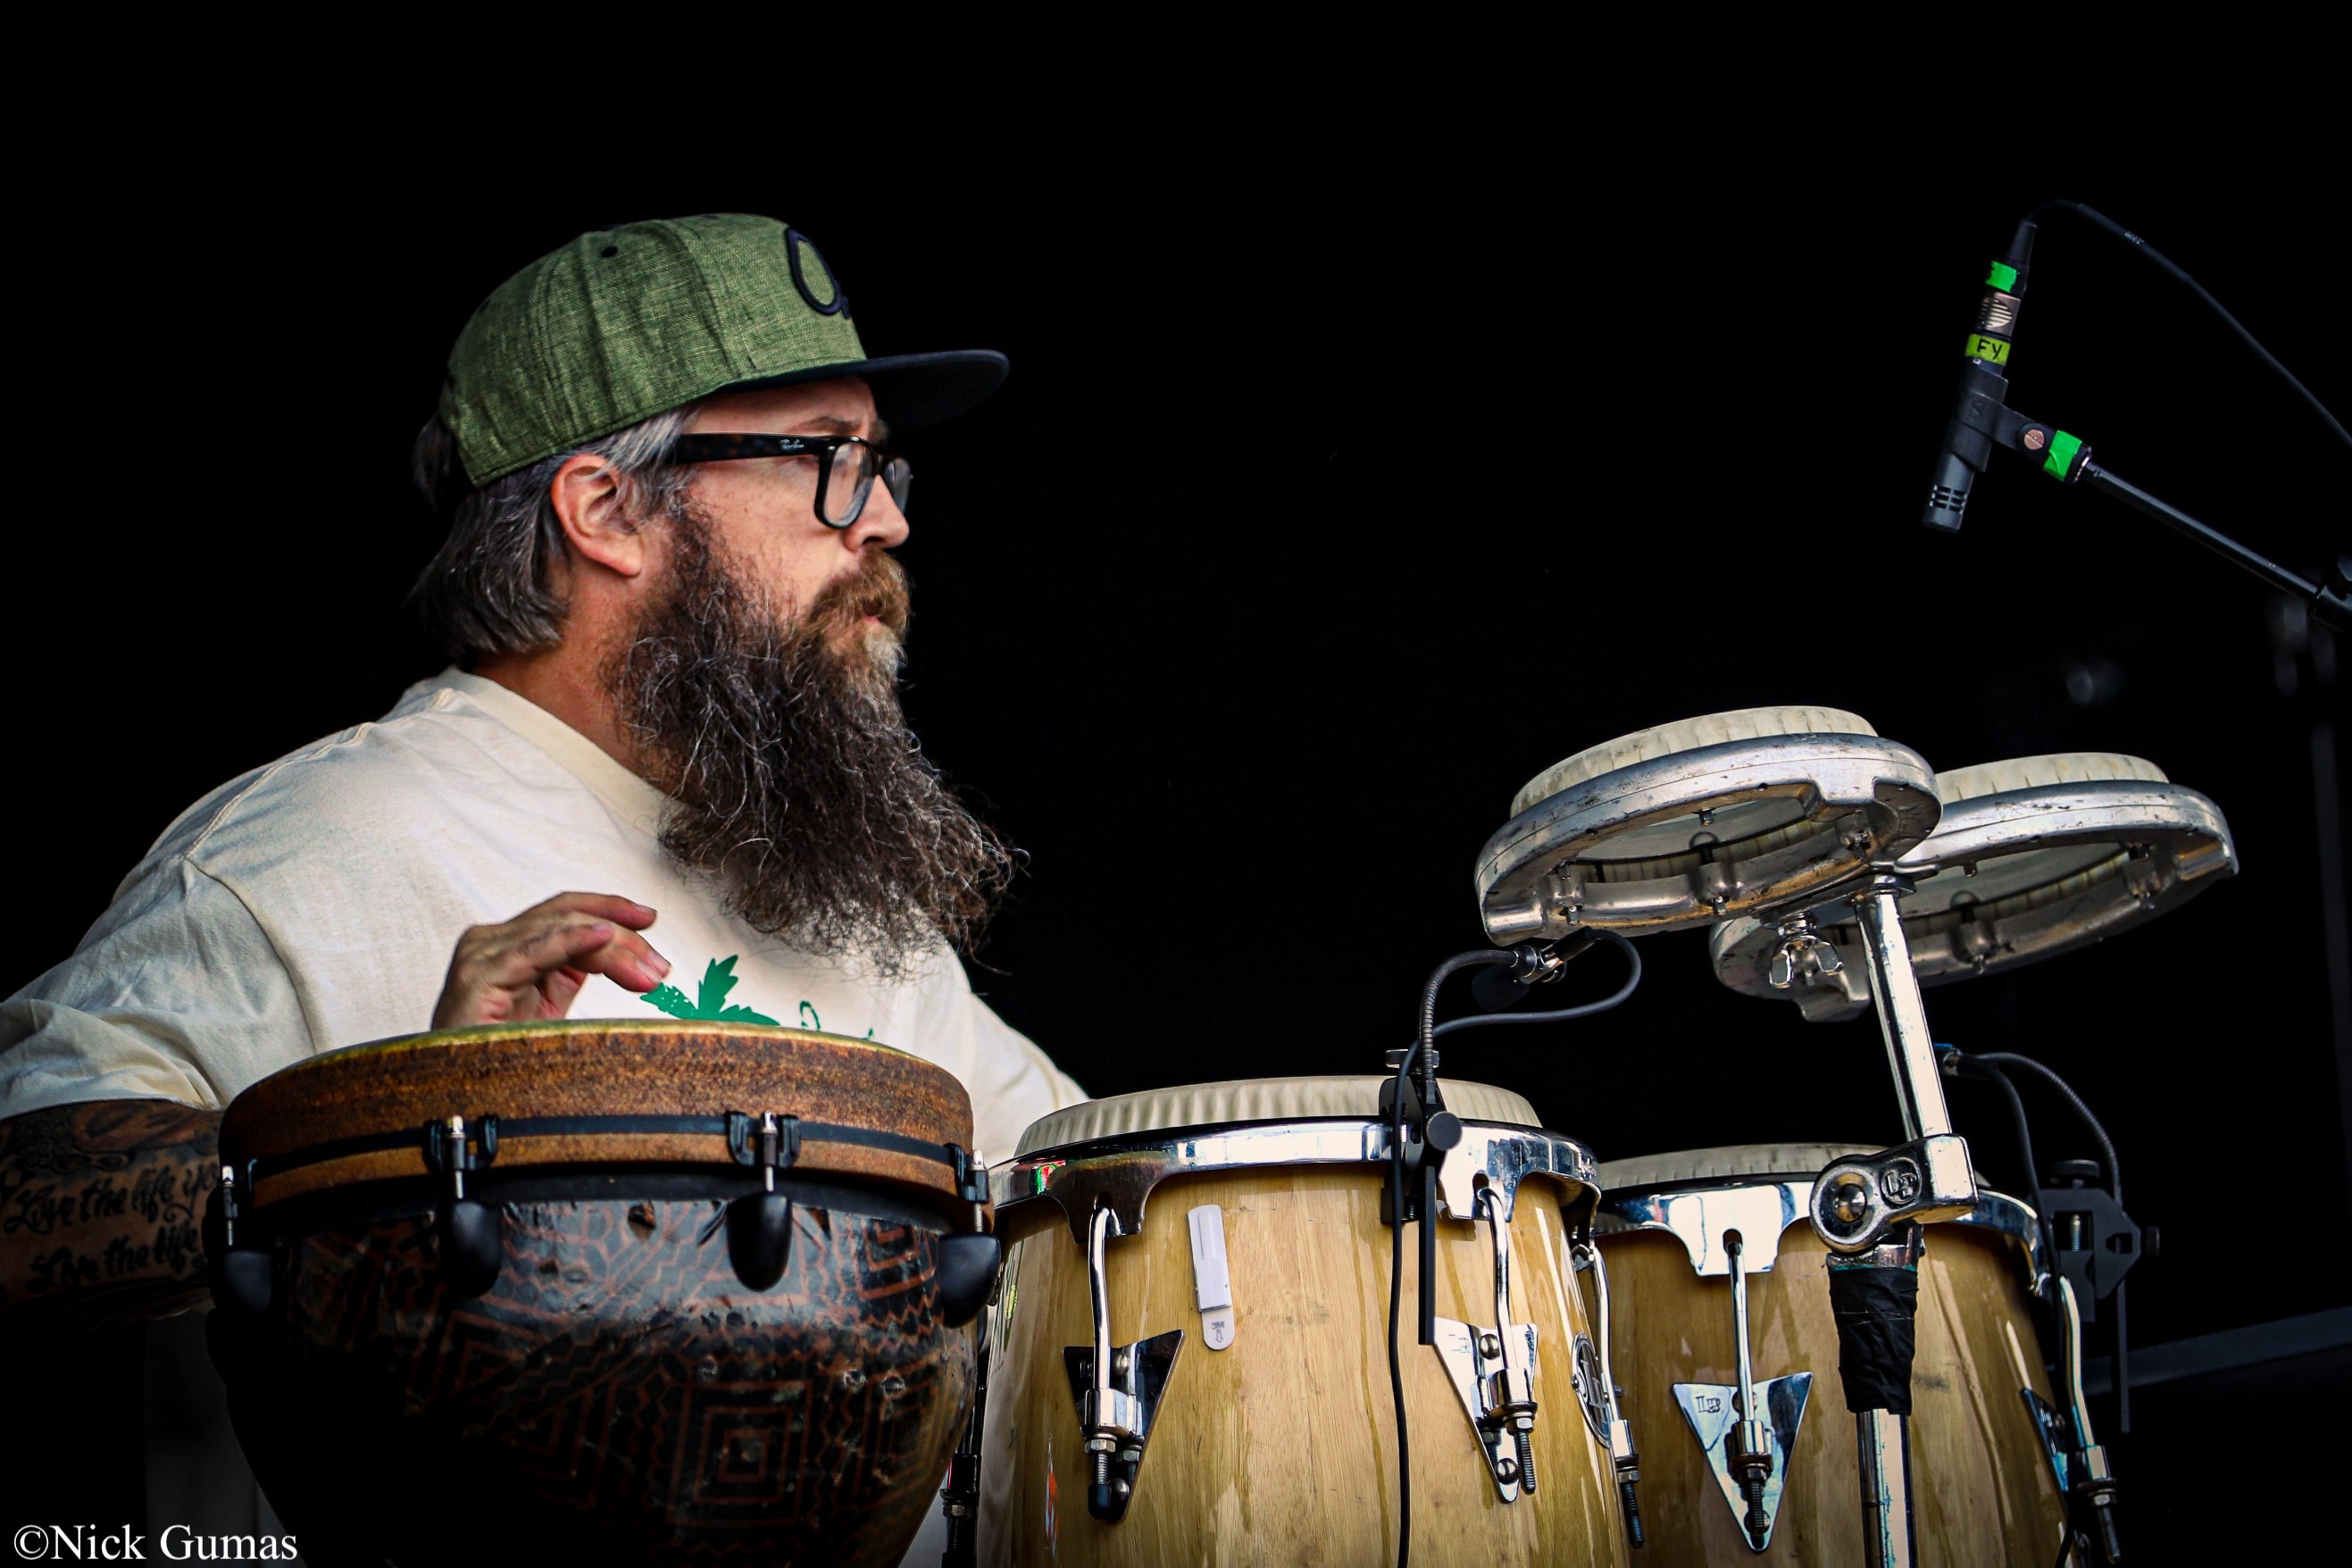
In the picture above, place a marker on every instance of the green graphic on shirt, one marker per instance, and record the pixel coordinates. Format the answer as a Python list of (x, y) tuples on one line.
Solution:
[(809, 1020), (711, 1003)]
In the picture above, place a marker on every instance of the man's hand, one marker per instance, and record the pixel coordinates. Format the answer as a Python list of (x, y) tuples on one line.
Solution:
[(532, 966)]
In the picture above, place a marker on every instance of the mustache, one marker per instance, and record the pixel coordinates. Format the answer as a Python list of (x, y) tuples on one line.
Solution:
[(877, 588)]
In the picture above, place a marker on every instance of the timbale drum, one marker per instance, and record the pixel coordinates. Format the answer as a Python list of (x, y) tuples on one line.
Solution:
[(2032, 857), (1983, 1479), (1246, 1307), (1693, 823), (600, 1292)]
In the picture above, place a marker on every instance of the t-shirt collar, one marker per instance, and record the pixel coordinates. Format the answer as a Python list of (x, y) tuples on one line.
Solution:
[(630, 798)]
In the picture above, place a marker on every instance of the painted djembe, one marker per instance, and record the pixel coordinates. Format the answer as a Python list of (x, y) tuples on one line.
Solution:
[(640, 1291)]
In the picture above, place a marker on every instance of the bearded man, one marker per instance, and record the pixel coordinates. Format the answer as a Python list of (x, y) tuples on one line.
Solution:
[(663, 457)]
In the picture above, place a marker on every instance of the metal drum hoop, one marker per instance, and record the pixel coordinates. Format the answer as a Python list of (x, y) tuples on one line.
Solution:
[(1855, 800), (2170, 844), (1119, 1173), (1698, 1213)]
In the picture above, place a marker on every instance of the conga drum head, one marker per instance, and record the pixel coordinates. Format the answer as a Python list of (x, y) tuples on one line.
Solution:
[(2033, 858), (1247, 1267), (635, 1291), (1694, 822), (1245, 1102), (1984, 1479)]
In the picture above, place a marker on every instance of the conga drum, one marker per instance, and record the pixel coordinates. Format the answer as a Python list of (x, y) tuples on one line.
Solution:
[(1984, 1476), (601, 1292), (1236, 1238)]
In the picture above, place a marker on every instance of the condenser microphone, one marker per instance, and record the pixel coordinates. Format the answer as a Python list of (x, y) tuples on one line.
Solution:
[(1984, 378)]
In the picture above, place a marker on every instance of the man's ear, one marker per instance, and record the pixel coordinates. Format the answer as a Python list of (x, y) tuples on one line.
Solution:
[(586, 494)]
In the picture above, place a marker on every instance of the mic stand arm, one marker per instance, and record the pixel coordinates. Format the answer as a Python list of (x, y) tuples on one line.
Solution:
[(2067, 459)]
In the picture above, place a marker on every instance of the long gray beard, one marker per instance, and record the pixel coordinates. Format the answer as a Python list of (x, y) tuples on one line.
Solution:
[(800, 790)]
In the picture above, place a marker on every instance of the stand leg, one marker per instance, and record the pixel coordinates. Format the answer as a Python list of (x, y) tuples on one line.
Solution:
[(1875, 1300), (1882, 1440), (960, 1498)]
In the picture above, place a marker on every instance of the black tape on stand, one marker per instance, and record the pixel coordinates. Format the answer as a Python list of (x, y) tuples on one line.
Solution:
[(1875, 1301)]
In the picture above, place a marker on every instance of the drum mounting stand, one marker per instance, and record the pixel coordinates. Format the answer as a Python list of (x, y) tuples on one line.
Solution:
[(1859, 1199), (1797, 810)]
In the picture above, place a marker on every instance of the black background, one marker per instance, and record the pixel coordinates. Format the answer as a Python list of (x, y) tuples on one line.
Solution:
[(1322, 510)]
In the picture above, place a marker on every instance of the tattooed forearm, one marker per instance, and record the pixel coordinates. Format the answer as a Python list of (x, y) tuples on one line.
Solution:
[(100, 1210)]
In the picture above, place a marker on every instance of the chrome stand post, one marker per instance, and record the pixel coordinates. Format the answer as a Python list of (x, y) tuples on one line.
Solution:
[(1869, 1208), (1858, 1200), (1902, 1014), (1882, 1441)]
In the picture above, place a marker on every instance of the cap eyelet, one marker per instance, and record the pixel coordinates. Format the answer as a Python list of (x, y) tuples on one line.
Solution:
[(610, 251)]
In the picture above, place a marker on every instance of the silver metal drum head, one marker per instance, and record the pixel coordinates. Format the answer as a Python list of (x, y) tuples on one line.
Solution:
[(2033, 858), (1730, 814)]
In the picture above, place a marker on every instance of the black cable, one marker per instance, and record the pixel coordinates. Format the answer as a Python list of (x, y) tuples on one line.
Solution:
[(2098, 1133), (2173, 270), (1993, 1061), (1632, 979), (1975, 1067), (1425, 1040), (1421, 1042)]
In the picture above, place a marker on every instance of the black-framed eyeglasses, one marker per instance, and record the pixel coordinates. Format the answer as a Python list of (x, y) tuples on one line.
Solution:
[(846, 467)]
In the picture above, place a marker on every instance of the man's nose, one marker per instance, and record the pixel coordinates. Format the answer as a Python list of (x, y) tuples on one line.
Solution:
[(880, 524)]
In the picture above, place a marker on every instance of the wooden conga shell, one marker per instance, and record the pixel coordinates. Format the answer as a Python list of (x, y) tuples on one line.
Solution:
[(618, 1394), (1281, 1449), (1981, 1485)]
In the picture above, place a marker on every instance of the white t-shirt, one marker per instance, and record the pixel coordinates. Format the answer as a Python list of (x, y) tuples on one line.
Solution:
[(314, 904)]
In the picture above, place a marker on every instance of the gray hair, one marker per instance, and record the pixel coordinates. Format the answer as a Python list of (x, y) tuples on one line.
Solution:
[(486, 589)]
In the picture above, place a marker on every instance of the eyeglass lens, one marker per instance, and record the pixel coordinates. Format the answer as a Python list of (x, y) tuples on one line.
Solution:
[(852, 476)]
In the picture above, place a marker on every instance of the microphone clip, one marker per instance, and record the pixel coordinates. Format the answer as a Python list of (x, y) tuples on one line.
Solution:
[(1982, 410), (1500, 987)]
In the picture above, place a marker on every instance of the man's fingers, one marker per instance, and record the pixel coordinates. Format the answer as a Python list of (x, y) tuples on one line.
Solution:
[(550, 948), (541, 956), (627, 959), (599, 906), (557, 991), (597, 947)]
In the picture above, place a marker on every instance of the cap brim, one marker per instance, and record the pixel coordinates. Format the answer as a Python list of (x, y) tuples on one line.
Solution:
[(911, 391)]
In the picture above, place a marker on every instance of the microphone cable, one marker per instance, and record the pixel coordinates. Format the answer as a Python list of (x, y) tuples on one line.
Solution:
[(1632, 978), (2173, 270), (1989, 1065), (1973, 1067), (1424, 1041), (2000, 1059)]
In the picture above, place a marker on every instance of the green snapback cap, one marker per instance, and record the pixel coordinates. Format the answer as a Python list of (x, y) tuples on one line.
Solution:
[(623, 323)]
